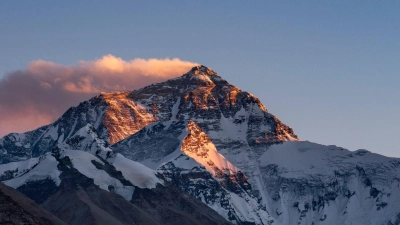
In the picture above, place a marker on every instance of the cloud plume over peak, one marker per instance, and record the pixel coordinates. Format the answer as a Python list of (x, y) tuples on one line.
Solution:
[(40, 93)]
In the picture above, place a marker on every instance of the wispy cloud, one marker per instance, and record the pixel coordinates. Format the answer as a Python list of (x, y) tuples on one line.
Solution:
[(39, 94)]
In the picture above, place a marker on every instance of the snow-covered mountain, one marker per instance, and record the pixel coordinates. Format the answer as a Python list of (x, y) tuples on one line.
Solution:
[(213, 141), (308, 183), (93, 185)]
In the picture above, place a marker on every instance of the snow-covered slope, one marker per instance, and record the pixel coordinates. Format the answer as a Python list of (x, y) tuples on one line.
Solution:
[(113, 115), (309, 183), (90, 155), (200, 95), (215, 142), (92, 166), (83, 188), (298, 182), (198, 169)]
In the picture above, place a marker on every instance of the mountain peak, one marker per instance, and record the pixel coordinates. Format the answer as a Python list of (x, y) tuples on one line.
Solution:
[(202, 70)]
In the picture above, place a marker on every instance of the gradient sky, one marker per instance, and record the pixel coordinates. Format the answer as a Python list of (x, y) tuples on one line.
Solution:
[(328, 69)]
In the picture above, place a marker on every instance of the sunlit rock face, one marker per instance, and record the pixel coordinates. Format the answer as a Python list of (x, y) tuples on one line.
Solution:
[(223, 111), (199, 170), (219, 144), (198, 146), (233, 122), (205, 97), (200, 95), (124, 117), (198, 115)]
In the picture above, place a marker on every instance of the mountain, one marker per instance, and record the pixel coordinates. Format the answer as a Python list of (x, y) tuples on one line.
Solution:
[(200, 93), (84, 186), (201, 138), (15, 208)]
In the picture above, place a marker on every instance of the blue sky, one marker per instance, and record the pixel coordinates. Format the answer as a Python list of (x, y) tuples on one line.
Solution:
[(326, 68)]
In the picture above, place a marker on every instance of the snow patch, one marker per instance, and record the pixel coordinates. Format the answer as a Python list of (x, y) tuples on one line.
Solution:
[(20, 167), (136, 173), (82, 161), (46, 169)]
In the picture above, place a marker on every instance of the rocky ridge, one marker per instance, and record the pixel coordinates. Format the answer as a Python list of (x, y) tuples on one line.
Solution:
[(220, 145), (92, 185)]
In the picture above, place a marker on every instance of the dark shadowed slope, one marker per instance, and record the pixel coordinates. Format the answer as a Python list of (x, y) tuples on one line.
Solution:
[(16, 208), (77, 200), (209, 139)]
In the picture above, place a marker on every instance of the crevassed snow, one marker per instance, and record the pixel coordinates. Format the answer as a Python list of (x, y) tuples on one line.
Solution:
[(46, 169)]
